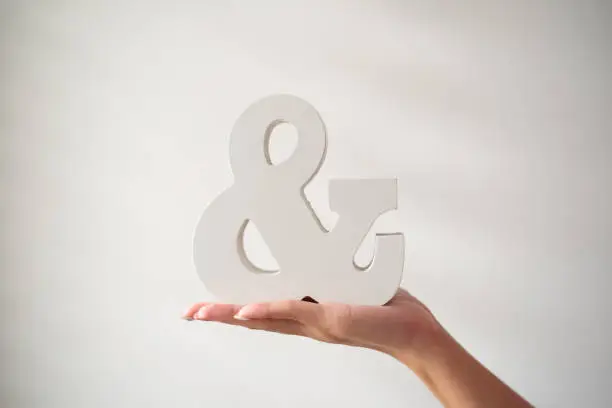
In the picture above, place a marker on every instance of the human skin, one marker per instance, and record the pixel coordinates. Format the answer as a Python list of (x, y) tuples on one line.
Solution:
[(404, 328)]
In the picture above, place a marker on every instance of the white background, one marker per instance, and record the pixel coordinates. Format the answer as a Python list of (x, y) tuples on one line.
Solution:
[(115, 118)]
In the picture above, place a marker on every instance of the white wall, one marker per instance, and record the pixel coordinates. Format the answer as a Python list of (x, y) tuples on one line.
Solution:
[(115, 120)]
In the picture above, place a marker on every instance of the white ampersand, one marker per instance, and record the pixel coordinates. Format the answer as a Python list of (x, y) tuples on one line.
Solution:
[(313, 262)]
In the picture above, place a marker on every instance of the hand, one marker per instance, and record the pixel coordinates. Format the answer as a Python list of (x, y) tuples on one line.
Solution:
[(403, 326)]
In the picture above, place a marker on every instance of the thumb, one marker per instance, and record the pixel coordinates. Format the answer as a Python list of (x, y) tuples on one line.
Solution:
[(304, 312)]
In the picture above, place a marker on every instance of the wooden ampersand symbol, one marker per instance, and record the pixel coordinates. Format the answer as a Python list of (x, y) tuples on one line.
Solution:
[(312, 261)]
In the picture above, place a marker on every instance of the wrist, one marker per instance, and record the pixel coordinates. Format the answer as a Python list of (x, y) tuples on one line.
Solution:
[(430, 348), (455, 377)]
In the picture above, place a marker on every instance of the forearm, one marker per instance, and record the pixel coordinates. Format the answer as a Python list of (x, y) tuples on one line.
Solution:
[(456, 378)]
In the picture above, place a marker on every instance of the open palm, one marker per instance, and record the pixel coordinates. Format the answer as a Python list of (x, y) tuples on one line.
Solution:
[(398, 325)]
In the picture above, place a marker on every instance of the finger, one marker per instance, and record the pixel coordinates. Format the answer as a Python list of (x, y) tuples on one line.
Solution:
[(271, 325), (304, 312), (193, 309), (225, 313), (216, 312)]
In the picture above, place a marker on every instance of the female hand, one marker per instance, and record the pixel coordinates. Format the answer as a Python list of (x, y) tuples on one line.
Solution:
[(404, 328), (404, 325)]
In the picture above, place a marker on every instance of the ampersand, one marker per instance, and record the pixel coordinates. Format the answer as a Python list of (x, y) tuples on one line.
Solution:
[(312, 261)]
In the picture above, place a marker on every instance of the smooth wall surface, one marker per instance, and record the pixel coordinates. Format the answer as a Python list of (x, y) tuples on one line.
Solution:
[(115, 117)]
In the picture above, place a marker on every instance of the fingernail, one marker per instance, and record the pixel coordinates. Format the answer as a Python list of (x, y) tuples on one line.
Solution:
[(202, 313), (248, 312), (187, 314), (188, 318)]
